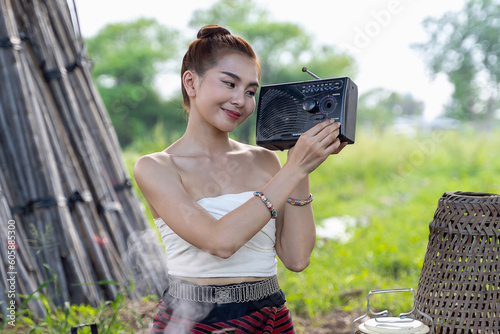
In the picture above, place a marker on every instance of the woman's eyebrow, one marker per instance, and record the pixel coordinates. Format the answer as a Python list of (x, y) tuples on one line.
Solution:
[(238, 79)]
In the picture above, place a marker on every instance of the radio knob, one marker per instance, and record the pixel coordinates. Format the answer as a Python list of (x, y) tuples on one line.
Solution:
[(309, 105)]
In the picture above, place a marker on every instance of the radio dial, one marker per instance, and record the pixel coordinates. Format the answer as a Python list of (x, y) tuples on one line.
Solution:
[(309, 105), (328, 104)]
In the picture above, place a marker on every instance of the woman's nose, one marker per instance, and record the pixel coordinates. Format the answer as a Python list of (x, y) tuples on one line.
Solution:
[(238, 99)]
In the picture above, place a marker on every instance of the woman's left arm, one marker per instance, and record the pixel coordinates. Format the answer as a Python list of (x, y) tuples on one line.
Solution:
[(295, 226), (296, 230)]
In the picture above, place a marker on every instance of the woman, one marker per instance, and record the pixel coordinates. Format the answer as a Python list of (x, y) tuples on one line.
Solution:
[(226, 209)]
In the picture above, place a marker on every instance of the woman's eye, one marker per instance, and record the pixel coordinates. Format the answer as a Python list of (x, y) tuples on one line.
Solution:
[(229, 84), (250, 93)]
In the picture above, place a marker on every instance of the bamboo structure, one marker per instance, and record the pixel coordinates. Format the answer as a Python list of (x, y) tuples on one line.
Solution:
[(78, 225)]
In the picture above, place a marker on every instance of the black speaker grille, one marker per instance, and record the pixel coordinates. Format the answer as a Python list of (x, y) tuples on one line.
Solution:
[(279, 114)]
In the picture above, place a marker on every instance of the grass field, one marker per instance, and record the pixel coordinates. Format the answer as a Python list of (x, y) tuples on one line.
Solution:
[(390, 185)]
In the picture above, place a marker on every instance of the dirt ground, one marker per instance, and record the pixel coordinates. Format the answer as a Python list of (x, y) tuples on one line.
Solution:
[(334, 323)]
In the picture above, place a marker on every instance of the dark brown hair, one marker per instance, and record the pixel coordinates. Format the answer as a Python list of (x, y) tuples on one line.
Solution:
[(212, 42)]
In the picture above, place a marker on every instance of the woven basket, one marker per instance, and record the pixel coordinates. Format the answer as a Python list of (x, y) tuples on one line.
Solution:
[(459, 285)]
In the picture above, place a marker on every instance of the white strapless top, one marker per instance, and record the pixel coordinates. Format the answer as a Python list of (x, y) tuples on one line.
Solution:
[(256, 258)]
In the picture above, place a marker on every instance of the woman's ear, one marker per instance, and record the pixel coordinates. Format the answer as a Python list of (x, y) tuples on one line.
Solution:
[(188, 80)]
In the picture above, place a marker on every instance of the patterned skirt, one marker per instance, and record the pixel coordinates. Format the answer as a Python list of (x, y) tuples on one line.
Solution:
[(268, 316)]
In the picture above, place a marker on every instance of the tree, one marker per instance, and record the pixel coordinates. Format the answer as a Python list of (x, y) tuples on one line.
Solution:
[(465, 46), (127, 58), (283, 48), (379, 107)]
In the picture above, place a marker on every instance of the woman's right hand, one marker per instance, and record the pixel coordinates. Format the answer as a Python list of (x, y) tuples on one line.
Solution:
[(315, 146)]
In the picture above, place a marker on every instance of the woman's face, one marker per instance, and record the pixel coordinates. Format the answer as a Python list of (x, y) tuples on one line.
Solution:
[(225, 95)]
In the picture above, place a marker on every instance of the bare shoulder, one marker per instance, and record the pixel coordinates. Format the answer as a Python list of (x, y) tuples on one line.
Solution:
[(154, 164), (263, 157), (151, 160)]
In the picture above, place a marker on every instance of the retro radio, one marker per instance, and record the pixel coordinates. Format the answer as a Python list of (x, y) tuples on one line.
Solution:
[(285, 111)]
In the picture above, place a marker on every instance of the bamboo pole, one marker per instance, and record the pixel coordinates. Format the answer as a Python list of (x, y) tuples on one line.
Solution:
[(65, 183), (25, 281)]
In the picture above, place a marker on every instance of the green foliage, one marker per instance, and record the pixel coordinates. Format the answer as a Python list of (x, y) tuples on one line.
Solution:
[(465, 46), (127, 59), (111, 317), (130, 52)]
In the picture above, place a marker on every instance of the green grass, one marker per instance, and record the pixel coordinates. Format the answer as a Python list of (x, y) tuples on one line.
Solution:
[(120, 316), (394, 183), (391, 182)]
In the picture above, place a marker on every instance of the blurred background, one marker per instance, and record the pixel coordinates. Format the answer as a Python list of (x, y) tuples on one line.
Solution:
[(428, 75), (425, 64)]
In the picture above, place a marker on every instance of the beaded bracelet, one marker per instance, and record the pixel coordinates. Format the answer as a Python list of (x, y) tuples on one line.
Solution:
[(267, 203), (300, 202)]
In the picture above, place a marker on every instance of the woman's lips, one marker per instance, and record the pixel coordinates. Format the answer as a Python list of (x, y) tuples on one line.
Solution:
[(232, 114)]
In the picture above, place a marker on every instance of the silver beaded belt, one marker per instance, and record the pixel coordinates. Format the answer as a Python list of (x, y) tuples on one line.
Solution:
[(233, 293)]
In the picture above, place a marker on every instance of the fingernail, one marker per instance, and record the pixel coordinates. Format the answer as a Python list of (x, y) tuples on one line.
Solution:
[(332, 120)]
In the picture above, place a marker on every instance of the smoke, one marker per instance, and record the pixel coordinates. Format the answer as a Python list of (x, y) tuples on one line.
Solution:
[(184, 309), (148, 261)]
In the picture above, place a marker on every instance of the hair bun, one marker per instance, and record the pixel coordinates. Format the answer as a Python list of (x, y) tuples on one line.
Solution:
[(212, 30)]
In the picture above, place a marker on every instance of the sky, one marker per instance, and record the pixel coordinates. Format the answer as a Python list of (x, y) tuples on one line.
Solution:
[(377, 33)]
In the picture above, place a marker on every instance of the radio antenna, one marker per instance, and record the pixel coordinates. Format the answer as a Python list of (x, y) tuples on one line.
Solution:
[(304, 69)]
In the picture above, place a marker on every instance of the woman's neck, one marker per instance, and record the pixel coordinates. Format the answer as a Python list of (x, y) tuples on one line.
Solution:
[(206, 139)]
